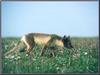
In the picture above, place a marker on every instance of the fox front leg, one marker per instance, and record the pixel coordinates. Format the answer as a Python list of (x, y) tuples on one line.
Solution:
[(43, 50)]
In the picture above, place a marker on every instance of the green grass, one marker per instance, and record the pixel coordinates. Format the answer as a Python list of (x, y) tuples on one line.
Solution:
[(82, 59)]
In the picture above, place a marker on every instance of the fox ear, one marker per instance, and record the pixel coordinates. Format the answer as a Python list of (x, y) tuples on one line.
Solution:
[(64, 37), (68, 37)]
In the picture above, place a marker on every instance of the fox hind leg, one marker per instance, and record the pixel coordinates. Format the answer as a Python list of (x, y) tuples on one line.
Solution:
[(29, 42)]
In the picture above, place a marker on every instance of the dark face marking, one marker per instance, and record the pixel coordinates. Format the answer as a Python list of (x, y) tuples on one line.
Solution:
[(67, 42)]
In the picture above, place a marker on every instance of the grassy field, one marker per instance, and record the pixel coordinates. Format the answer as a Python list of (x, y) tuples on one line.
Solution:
[(82, 59)]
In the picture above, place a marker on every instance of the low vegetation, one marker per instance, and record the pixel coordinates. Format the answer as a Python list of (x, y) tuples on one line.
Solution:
[(82, 59)]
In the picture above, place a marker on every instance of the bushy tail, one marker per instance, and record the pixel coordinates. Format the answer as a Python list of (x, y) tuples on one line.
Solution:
[(12, 50)]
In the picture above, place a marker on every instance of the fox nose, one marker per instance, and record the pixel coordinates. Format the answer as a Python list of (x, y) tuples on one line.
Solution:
[(72, 47)]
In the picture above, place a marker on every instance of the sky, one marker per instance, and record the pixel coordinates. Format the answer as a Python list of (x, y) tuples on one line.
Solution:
[(62, 18)]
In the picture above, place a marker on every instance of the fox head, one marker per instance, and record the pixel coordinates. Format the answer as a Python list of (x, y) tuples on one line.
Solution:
[(67, 42)]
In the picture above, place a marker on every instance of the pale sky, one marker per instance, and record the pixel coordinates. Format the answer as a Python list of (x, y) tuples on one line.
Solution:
[(62, 18)]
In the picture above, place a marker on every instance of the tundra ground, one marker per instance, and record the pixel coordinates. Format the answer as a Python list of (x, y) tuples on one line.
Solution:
[(82, 59)]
